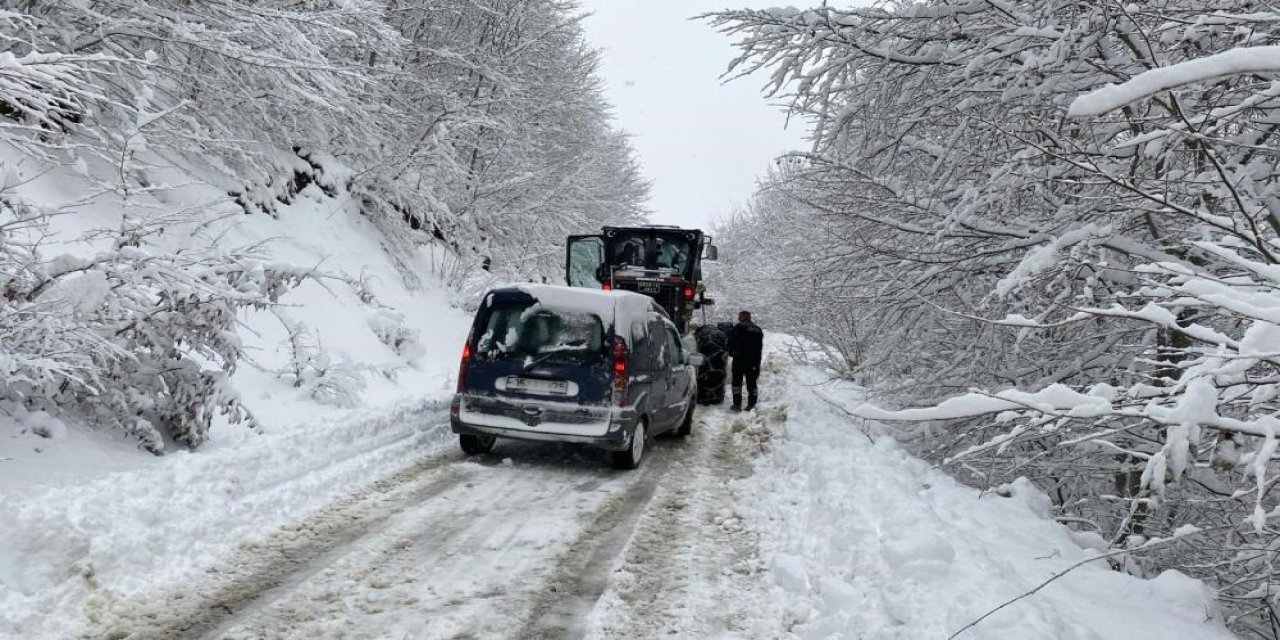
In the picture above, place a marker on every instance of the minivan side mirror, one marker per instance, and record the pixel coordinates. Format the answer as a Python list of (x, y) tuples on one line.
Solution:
[(695, 359), (710, 253)]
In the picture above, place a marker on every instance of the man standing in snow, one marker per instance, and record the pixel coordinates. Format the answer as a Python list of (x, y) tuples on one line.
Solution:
[(746, 344)]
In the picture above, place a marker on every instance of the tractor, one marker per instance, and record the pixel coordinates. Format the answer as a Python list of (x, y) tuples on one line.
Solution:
[(662, 262)]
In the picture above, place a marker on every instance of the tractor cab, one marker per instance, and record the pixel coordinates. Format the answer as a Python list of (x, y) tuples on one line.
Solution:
[(664, 263)]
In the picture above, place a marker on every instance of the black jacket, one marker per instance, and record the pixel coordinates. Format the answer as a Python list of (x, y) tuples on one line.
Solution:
[(746, 343)]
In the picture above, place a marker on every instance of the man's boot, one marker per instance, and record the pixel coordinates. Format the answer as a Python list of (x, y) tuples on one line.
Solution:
[(737, 400)]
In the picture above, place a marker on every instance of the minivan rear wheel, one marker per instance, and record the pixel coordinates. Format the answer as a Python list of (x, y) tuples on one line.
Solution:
[(630, 457), (475, 445), (686, 426)]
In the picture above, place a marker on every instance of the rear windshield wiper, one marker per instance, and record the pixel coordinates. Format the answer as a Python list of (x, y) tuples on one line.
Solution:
[(537, 361)]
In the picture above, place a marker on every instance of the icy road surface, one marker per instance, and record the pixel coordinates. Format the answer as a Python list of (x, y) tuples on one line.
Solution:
[(792, 522), (521, 544)]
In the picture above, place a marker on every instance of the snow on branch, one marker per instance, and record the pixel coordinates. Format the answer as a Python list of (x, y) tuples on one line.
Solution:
[(1243, 60), (1053, 399)]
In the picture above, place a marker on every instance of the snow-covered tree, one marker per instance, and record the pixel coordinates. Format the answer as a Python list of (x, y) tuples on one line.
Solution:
[(476, 127), (1071, 206)]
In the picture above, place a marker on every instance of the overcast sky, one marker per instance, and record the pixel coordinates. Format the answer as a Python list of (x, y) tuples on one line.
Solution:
[(702, 143)]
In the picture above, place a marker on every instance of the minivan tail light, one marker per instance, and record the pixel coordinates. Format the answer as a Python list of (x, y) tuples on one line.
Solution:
[(462, 366), (619, 371)]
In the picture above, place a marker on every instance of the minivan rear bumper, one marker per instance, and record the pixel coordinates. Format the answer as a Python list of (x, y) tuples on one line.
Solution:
[(613, 432)]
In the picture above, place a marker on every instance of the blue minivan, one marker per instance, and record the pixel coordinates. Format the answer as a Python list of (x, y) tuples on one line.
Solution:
[(561, 364)]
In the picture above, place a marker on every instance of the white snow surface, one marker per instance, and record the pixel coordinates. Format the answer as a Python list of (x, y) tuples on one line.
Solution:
[(870, 542), (83, 509), (1148, 83), (159, 525)]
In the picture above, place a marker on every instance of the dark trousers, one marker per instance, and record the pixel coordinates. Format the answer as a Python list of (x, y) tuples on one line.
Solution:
[(749, 371)]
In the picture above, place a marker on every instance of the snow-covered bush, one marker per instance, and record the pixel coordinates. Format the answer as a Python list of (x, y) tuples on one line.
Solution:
[(337, 383), (389, 326), (313, 370), (131, 337), (42, 92)]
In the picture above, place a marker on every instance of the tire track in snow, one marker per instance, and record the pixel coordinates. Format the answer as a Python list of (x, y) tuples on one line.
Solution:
[(653, 571), (452, 547), (261, 568), (480, 560), (691, 560), (582, 573), (695, 567)]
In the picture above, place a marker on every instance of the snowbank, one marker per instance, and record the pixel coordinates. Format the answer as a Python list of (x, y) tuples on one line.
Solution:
[(870, 542), (154, 527)]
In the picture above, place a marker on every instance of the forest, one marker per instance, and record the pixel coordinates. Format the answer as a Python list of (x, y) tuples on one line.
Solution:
[(1045, 235)]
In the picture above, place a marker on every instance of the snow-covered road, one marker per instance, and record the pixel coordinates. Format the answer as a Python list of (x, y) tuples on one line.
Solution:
[(791, 522), (522, 544)]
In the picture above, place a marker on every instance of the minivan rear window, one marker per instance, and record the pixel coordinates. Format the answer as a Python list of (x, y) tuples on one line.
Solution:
[(527, 329)]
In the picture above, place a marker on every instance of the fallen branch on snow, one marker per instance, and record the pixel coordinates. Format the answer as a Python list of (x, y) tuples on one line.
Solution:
[(1152, 544)]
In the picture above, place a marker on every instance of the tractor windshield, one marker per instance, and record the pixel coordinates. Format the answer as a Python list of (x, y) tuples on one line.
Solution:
[(650, 250)]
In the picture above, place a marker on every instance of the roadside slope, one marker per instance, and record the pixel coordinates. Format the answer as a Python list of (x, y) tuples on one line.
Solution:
[(85, 511), (866, 541)]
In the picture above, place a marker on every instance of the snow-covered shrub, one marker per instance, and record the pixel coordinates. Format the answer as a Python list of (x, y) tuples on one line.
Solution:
[(303, 349), (338, 383), (287, 176), (389, 326), (311, 368), (133, 337), (43, 424), (43, 92)]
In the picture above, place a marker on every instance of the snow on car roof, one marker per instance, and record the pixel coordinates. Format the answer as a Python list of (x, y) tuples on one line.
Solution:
[(621, 307)]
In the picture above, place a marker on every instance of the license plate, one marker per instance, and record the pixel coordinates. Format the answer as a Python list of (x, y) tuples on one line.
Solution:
[(649, 287), (533, 385)]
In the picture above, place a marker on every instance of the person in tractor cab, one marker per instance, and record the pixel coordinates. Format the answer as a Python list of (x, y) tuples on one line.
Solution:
[(746, 346), (631, 253), (672, 254)]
